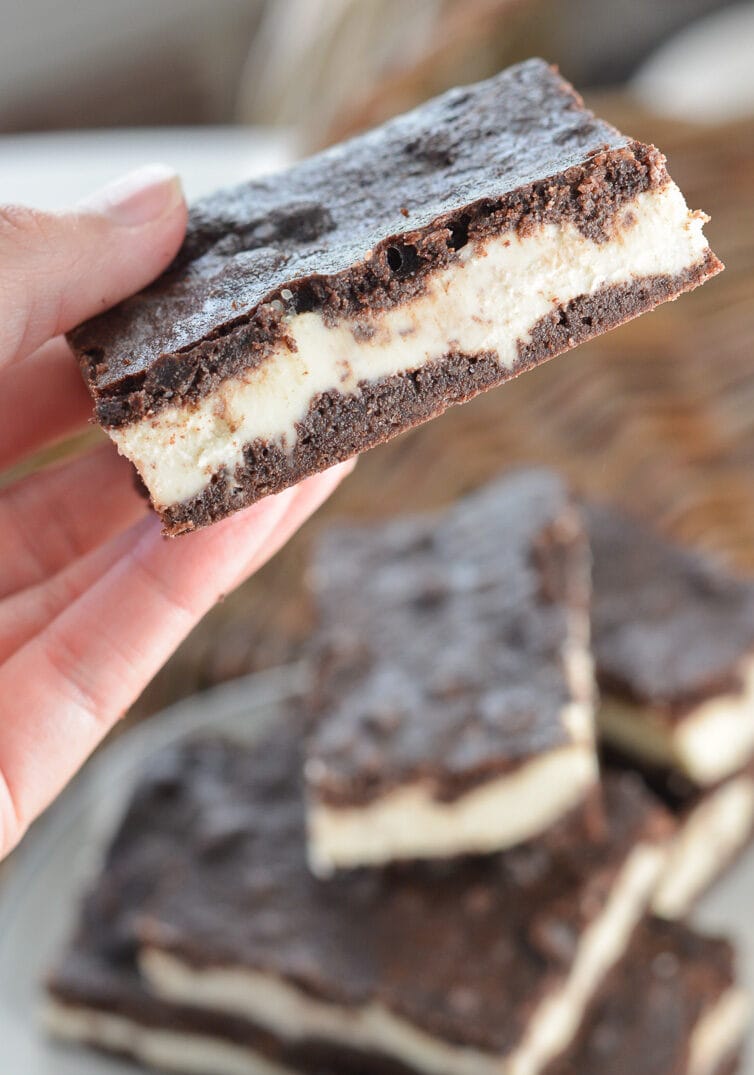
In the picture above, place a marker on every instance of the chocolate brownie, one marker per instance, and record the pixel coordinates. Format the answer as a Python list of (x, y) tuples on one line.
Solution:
[(453, 707), (653, 1005), (673, 640), (315, 313), (658, 1010), (714, 825)]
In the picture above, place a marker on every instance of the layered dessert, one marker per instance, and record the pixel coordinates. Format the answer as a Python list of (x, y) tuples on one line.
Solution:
[(454, 692), (320, 311), (671, 1007), (673, 640), (207, 898), (713, 826), (671, 1004)]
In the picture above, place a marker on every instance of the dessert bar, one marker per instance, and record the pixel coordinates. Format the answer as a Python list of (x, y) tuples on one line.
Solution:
[(670, 1007), (454, 689), (673, 642), (315, 313)]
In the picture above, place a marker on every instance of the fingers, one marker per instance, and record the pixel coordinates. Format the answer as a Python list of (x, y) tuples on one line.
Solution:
[(57, 269), (58, 514), (23, 615), (61, 692), (41, 401)]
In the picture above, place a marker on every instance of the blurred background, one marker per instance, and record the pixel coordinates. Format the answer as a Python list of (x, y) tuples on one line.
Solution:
[(659, 414)]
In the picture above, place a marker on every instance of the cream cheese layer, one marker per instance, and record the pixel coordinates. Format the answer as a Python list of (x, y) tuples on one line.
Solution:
[(487, 301)]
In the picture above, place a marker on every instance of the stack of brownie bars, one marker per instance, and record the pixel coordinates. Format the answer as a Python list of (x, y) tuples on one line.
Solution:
[(423, 867)]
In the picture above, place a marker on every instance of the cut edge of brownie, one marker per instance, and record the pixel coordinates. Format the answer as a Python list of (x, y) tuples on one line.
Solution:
[(711, 835), (338, 427), (713, 827), (673, 1001)]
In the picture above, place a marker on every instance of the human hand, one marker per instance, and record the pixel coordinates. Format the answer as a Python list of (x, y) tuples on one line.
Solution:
[(93, 599)]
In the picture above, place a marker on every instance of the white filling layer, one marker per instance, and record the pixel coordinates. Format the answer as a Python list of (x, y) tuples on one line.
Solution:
[(714, 740), (487, 301), (712, 834), (292, 1014), (719, 1033), (411, 823), (716, 1036), (168, 1050)]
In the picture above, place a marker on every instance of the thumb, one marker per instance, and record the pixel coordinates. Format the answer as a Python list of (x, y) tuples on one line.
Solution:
[(58, 269)]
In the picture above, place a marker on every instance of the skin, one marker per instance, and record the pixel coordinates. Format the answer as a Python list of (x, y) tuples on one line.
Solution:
[(93, 600)]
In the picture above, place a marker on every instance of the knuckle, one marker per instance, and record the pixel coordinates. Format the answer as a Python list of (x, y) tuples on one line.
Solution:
[(28, 260), (74, 683), (19, 224)]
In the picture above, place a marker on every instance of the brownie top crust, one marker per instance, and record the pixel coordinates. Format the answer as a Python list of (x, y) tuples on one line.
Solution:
[(443, 642), (670, 626), (463, 953), (356, 227), (649, 1006)]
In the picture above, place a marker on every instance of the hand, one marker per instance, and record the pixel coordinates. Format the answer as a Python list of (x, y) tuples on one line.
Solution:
[(92, 599)]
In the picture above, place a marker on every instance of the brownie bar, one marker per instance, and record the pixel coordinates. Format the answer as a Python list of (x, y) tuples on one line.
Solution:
[(671, 1007), (672, 996), (490, 963), (318, 312), (713, 827), (454, 688), (673, 640)]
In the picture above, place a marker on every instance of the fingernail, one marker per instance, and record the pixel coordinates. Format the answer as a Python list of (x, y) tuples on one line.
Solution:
[(137, 198)]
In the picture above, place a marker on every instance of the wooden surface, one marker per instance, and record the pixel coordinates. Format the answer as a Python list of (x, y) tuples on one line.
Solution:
[(658, 415)]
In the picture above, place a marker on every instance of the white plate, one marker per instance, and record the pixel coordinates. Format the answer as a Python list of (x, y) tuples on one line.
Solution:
[(38, 902)]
